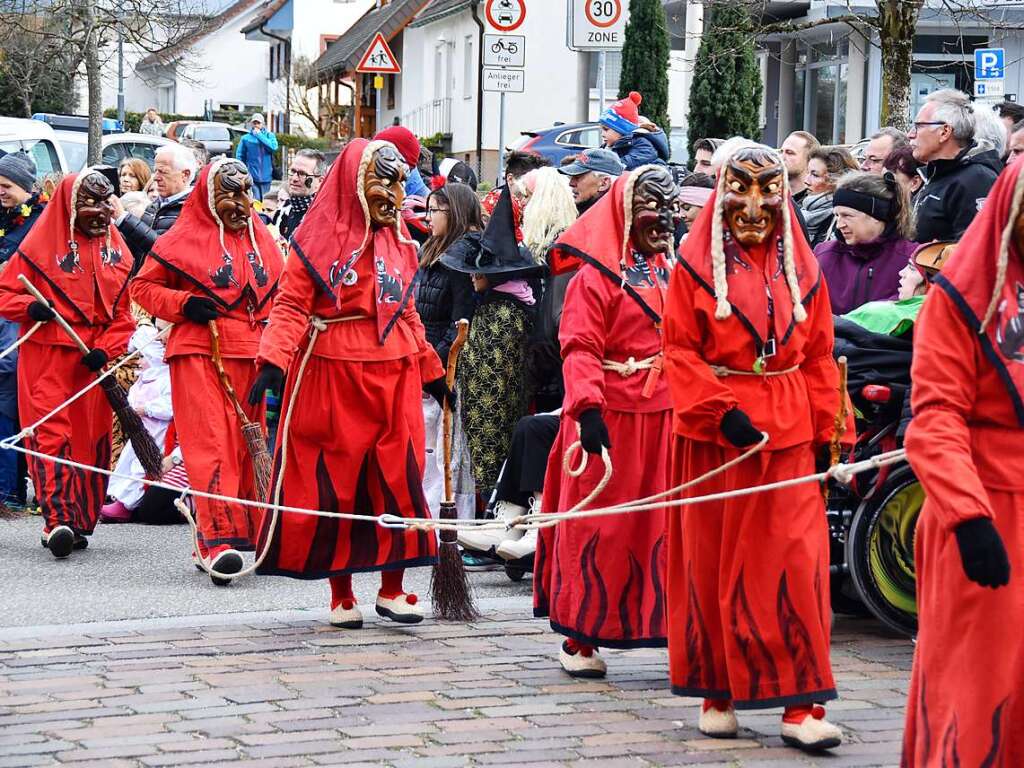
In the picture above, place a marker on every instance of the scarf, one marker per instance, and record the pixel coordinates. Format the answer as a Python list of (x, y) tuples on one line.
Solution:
[(295, 212), (518, 289)]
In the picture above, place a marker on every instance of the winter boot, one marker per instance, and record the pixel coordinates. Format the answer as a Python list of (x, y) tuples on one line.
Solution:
[(486, 540), (718, 719), (806, 728)]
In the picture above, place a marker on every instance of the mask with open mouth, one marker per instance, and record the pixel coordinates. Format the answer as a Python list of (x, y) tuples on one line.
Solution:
[(753, 195), (656, 212), (231, 201), (93, 211), (382, 187)]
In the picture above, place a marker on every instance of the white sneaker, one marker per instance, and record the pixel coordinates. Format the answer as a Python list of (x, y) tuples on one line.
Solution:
[(578, 665), (485, 540), (347, 618), (814, 733), (404, 609), (519, 548), (718, 724)]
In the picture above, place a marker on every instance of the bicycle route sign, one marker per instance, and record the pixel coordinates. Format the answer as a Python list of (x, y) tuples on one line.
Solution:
[(504, 51), (597, 25), (505, 15)]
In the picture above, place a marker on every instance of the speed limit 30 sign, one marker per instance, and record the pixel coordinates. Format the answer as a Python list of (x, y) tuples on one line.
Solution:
[(597, 25)]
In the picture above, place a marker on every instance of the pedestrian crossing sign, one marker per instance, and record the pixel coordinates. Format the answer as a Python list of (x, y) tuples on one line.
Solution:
[(379, 58)]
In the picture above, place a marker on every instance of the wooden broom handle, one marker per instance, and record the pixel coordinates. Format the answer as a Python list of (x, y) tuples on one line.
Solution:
[(60, 320), (462, 330), (218, 363)]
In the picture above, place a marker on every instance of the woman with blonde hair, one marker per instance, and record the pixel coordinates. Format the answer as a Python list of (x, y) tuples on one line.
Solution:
[(548, 210)]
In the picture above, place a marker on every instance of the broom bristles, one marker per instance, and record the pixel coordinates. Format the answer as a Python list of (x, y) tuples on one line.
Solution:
[(262, 464), (449, 588), (146, 450)]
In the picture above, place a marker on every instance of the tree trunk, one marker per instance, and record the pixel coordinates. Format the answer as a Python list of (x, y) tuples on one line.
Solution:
[(95, 86), (897, 23)]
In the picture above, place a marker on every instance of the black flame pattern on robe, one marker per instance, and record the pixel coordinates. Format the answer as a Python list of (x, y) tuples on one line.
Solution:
[(797, 640), (751, 643)]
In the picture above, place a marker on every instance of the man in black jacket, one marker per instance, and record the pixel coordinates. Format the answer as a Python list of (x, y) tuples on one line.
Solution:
[(957, 178), (174, 173)]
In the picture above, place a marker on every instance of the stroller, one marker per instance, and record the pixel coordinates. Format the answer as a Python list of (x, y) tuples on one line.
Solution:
[(872, 521)]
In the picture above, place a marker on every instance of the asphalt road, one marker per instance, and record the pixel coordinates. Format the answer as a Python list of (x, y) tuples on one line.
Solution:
[(143, 572)]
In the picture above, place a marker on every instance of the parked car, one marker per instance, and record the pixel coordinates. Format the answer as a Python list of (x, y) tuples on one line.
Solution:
[(77, 122), (175, 128), (116, 147), (215, 137), (37, 139), (559, 141)]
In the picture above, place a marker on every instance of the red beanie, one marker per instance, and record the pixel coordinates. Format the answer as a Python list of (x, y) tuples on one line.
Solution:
[(406, 142), (629, 107)]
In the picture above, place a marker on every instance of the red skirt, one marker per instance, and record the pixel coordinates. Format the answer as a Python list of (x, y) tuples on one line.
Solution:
[(355, 445), (748, 604), (600, 579)]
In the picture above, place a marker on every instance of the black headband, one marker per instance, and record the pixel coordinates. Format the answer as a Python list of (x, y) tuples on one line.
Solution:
[(875, 207)]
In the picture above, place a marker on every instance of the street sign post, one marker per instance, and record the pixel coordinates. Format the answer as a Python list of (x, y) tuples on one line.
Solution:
[(504, 51), (597, 25), (988, 63), (379, 61)]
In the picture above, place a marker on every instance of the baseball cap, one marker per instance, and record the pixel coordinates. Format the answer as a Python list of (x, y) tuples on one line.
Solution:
[(600, 160)]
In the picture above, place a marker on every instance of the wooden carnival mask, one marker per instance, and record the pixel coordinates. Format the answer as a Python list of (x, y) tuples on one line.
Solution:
[(231, 200), (383, 187), (753, 195), (93, 211), (656, 212)]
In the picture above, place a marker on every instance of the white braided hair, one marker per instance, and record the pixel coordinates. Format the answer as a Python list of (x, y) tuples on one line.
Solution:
[(74, 206), (364, 163), (722, 307), (215, 168), (1003, 260)]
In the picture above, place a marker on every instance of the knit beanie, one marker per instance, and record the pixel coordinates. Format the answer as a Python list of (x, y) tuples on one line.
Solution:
[(623, 116), (19, 168), (405, 142)]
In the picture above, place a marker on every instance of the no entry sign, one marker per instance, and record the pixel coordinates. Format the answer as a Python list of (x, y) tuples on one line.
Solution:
[(597, 25), (506, 15)]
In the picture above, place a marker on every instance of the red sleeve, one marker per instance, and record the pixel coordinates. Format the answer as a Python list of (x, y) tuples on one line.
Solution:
[(581, 335), (114, 338), (14, 301), (431, 366), (945, 375), (700, 398), (152, 290), (289, 317), (821, 372)]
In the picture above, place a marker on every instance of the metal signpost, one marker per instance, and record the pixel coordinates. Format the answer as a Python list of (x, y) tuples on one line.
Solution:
[(989, 73), (504, 57), (599, 26), (379, 61)]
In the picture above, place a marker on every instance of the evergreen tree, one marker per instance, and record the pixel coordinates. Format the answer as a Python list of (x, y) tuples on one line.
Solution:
[(725, 97), (645, 60)]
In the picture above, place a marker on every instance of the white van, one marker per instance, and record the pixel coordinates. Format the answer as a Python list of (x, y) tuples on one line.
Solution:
[(38, 140)]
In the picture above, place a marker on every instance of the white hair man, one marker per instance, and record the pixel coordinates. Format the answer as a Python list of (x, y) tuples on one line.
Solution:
[(174, 172), (957, 180)]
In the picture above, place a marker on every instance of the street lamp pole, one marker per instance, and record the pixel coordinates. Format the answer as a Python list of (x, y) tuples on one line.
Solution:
[(120, 76)]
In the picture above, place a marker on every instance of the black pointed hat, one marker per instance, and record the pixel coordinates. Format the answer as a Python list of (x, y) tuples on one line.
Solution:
[(501, 253)]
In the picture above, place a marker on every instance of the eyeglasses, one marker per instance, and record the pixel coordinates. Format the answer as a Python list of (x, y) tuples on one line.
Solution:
[(302, 174), (434, 211), (925, 123)]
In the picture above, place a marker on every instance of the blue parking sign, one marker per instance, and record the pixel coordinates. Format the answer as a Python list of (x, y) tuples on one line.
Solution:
[(988, 63)]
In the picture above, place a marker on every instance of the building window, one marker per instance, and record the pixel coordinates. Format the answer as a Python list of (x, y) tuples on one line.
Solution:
[(468, 69), (613, 69), (820, 99)]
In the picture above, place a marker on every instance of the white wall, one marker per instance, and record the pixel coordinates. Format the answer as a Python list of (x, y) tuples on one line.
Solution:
[(224, 67)]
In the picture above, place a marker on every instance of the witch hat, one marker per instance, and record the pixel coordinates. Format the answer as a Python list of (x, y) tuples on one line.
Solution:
[(501, 252)]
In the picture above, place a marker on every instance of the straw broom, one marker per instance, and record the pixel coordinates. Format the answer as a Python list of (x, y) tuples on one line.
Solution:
[(839, 424), (252, 431), (146, 450), (449, 588)]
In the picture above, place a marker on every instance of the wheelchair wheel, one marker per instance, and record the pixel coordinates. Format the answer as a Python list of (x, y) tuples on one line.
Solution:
[(880, 551)]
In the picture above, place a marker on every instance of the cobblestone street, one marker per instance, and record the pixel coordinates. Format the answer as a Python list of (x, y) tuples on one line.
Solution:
[(278, 689)]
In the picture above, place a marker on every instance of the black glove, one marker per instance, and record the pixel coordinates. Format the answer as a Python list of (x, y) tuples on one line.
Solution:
[(40, 312), (982, 552), (270, 377), (95, 359), (593, 431), (200, 309), (738, 430), (438, 389)]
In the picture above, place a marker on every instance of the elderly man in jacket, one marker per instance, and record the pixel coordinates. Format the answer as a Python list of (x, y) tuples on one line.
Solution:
[(174, 170), (256, 150)]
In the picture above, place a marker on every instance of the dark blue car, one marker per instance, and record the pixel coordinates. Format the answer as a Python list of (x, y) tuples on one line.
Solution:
[(561, 140)]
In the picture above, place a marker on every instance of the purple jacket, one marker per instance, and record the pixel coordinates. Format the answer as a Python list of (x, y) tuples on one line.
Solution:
[(857, 274)]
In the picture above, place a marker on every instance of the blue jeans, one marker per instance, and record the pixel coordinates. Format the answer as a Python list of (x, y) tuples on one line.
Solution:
[(8, 461)]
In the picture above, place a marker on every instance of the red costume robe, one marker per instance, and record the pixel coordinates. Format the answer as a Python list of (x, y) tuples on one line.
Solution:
[(356, 438), (965, 705), (600, 579), (748, 598), (89, 291), (189, 260)]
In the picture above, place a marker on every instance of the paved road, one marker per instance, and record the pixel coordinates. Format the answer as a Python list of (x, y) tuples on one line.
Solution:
[(139, 571)]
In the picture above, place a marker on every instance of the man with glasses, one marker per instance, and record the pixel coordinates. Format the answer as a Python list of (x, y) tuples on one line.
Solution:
[(879, 147), (305, 173), (957, 181)]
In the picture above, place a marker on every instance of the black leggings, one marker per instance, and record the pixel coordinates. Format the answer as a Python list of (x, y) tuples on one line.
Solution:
[(527, 460)]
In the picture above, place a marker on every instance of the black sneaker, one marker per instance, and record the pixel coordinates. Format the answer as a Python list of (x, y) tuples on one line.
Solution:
[(60, 542)]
